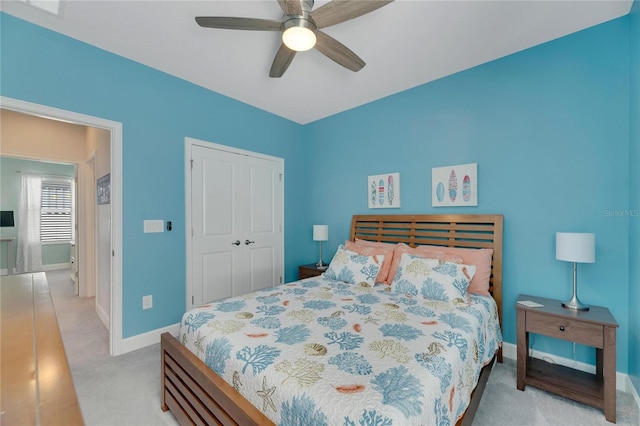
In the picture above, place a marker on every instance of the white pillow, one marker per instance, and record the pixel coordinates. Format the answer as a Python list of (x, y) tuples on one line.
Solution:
[(351, 267), (433, 279)]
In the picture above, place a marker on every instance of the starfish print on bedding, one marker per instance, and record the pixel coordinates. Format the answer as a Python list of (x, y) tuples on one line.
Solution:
[(266, 394), (371, 319)]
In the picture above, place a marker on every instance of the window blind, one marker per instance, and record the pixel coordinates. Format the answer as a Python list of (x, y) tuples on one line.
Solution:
[(55, 213)]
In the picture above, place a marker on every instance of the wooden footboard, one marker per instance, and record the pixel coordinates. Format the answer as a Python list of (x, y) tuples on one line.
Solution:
[(195, 394), (36, 386)]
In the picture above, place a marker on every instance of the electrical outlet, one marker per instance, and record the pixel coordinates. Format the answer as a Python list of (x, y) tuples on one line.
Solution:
[(147, 302)]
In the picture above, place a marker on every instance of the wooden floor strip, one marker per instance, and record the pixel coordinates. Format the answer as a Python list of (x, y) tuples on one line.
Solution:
[(37, 388)]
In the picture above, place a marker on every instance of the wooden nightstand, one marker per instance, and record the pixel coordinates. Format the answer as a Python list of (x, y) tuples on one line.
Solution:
[(595, 327), (310, 270)]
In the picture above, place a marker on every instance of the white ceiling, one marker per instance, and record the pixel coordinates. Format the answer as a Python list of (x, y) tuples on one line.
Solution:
[(405, 44)]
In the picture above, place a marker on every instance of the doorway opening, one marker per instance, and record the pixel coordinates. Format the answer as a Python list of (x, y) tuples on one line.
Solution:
[(98, 248)]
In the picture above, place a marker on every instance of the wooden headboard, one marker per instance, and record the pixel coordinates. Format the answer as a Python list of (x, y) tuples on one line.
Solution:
[(467, 231)]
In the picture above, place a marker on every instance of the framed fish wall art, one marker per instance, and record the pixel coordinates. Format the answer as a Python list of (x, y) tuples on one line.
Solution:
[(454, 186), (383, 191)]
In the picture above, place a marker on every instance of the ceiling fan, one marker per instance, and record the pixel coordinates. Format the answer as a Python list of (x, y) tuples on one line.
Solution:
[(300, 27)]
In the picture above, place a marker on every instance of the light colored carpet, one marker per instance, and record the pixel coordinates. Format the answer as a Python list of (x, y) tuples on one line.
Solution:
[(125, 390), (503, 404), (112, 391)]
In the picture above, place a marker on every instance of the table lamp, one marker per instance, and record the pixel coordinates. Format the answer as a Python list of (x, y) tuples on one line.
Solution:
[(577, 248), (321, 233)]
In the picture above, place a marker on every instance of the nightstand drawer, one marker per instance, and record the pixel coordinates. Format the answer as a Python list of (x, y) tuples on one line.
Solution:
[(565, 328)]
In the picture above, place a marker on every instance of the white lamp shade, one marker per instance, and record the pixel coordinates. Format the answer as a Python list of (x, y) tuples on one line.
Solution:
[(576, 247), (320, 232)]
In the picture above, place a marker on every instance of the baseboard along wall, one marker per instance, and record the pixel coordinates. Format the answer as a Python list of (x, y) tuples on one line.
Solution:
[(44, 268), (103, 315), (146, 339), (55, 267)]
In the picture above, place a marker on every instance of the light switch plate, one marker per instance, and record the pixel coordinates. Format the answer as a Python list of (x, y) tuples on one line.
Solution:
[(153, 226), (147, 302)]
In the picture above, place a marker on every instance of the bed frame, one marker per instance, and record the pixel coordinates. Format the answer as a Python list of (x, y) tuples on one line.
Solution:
[(197, 395)]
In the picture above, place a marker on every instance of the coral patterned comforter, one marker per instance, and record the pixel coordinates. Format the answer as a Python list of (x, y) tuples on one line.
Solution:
[(319, 351)]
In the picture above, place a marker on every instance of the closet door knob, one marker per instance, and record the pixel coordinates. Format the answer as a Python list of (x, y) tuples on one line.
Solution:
[(247, 242), (236, 242)]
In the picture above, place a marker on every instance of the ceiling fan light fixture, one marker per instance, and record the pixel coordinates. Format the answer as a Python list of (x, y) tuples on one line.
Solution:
[(299, 34), (300, 29)]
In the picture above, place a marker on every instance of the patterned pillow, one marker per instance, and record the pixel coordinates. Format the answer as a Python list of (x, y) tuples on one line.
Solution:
[(433, 279), (354, 268), (369, 250), (430, 252), (481, 258)]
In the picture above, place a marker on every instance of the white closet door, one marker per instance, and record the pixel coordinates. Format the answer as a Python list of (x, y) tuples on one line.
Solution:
[(262, 233), (236, 216)]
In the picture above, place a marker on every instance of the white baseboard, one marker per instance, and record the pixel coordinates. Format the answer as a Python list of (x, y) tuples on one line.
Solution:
[(44, 268), (623, 382), (634, 392), (55, 267), (103, 315), (146, 339)]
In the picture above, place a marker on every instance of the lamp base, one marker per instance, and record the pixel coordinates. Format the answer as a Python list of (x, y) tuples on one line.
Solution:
[(321, 266), (575, 304)]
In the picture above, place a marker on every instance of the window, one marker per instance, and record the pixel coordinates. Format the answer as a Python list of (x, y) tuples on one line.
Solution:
[(55, 211), (51, 6)]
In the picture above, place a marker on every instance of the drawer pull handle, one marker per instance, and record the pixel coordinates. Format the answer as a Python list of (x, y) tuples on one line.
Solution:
[(562, 328)]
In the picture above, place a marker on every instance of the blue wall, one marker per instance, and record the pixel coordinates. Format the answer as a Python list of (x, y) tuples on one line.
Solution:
[(548, 128), (634, 196), (157, 112)]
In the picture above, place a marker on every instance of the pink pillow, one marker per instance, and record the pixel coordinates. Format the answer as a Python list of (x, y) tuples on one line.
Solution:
[(371, 250), (481, 258), (428, 252)]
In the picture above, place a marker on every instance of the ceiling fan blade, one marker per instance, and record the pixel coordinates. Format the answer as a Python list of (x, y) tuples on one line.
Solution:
[(281, 61), (338, 52), (291, 7), (338, 11), (229, 23)]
